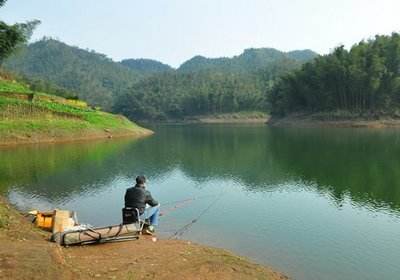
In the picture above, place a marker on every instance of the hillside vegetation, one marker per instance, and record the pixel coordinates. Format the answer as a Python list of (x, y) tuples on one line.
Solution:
[(96, 78), (151, 90), (146, 66), (247, 62), (26, 254), (27, 116), (204, 86), (361, 82)]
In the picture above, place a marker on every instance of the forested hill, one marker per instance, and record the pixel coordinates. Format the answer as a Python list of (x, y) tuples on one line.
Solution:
[(146, 66), (302, 55), (204, 86), (249, 61), (180, 94), (148, 89), (91, 75), (363, 81)]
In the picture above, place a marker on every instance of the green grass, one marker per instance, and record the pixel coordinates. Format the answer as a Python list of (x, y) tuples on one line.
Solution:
[(240, 115), (46, 125), (4, 216), (52, 116), (11, 86)]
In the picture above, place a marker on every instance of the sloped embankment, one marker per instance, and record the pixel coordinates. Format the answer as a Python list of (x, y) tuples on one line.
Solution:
[(34, 117), (25, 253)]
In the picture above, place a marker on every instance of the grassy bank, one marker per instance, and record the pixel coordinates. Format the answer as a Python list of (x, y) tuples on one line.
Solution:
[(239, 117), (336, 119), (34, 117), (25, 253), (228, 118)]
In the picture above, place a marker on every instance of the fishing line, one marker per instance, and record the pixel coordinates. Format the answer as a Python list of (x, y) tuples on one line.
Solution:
[(176, 206), (181, 203), (183, 229), (190, 199)]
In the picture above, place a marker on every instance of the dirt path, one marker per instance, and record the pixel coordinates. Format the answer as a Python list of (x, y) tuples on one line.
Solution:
[(26, 254)]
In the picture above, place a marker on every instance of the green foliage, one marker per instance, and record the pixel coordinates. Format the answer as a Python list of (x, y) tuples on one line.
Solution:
[(4, 216), (220, 89), (11, 36), (147, 89), (146, 66), (175, 95), (25, 85), (46, 112), (12, 86), (96, 78), (40, 85), (302, 55), (249, 61), (242, 115), (365, 80)]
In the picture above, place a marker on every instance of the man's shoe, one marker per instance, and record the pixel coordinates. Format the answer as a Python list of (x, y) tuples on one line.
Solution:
[(150, 230)]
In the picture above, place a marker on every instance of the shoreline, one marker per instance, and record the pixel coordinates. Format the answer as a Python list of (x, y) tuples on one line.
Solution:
[(29, 117), (227, 118), (26, 253), (229, 121), (43, 138), (315, 121)]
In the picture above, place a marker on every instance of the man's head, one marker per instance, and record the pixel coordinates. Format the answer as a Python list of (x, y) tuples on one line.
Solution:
[(140, 180)]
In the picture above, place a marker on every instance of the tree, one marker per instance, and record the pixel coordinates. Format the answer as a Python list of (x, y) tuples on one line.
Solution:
[(11, 36), (361, 81)]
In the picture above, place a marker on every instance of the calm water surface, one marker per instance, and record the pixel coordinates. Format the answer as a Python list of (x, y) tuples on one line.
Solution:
[(312, 203)]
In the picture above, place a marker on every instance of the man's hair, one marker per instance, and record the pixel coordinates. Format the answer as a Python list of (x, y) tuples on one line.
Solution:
[(140, 180)]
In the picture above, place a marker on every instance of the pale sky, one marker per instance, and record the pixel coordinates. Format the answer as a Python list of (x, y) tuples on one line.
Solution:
[(173, 31)]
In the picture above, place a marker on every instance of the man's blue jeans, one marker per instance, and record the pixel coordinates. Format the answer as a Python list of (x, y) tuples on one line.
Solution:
[(152, 213)]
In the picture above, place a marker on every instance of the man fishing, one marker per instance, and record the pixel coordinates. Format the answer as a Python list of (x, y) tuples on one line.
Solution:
[(138, 197)]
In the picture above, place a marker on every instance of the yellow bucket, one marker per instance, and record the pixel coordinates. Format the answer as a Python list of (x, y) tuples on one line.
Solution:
[(44, 220)]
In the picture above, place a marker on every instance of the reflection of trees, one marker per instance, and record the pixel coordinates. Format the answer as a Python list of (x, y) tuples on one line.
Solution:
[(221, 152), (57, 171), (362, 163)]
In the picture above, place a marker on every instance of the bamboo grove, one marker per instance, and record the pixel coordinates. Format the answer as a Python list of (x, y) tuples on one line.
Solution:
[(363, 80)]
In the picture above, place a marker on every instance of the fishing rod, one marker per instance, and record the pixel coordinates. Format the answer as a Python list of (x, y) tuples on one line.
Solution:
[(181, 203), (190, 199), (185, 228)]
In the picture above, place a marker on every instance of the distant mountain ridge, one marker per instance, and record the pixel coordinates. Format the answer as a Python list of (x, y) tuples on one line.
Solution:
[(302, 55), (146, 66), (250, 60), (211, 86), (95, 77), (100, 80)]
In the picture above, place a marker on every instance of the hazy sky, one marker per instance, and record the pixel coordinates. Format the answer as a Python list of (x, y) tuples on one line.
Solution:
[(173, 31)]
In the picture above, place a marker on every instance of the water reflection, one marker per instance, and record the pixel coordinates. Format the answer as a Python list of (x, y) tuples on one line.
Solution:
[(306, 201), (57, 172), (361, 163)]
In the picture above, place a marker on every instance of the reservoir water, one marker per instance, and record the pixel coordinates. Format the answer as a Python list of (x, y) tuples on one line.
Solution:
[(319, 204)]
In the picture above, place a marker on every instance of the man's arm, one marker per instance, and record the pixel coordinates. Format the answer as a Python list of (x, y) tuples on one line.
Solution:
[(126, 197), (150, 200)]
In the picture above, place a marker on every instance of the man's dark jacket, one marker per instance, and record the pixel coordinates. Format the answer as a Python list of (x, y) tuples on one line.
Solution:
[(138, 197)]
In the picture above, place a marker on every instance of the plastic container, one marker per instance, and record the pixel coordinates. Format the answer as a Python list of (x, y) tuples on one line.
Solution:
[(44, 220)]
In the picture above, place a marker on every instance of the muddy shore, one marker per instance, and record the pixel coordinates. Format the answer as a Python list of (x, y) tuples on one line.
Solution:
[(26, 253), (52, 138)]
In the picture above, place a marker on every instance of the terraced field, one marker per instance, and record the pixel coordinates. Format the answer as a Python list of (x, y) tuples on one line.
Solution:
[(32, 117)]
